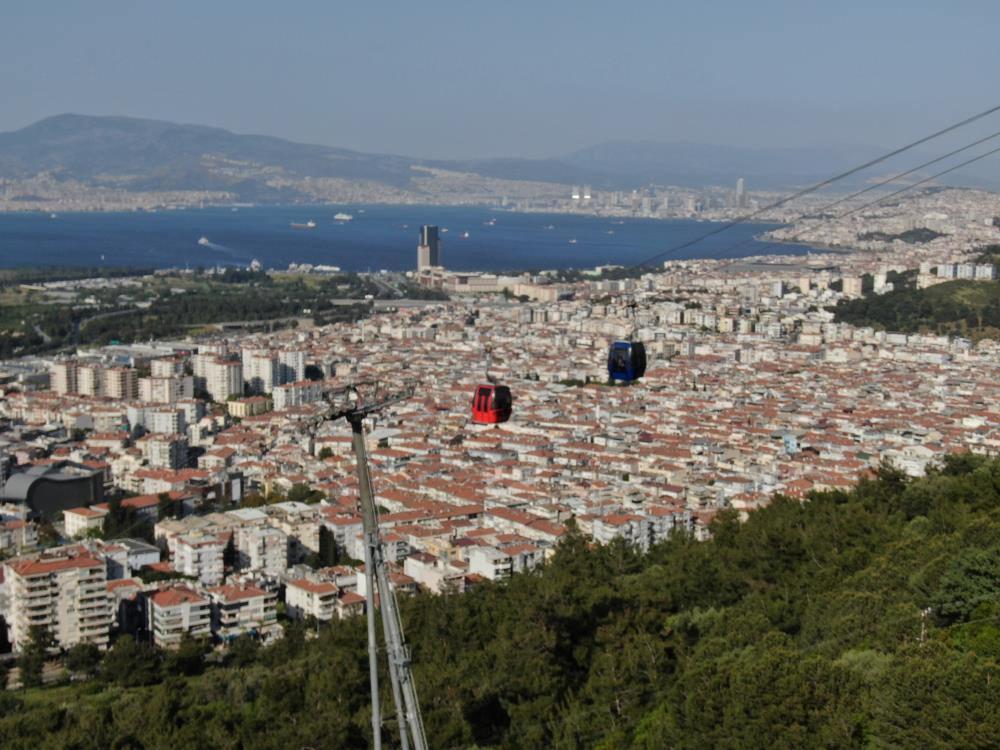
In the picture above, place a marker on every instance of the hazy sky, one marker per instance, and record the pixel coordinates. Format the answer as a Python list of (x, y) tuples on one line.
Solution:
[(538, 78)]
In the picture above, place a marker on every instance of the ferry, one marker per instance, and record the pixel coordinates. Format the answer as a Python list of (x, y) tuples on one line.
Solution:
[(308, 225), (342, 217), (203, 241)]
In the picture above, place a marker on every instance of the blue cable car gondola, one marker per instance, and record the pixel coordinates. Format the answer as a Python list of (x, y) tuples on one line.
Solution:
[(627, 359)]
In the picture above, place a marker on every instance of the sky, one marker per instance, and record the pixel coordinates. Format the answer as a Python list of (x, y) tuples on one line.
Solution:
[(460, 79)]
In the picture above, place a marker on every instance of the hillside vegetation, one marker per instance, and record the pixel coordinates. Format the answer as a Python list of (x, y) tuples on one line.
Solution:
[(960, 308), (866, 619)]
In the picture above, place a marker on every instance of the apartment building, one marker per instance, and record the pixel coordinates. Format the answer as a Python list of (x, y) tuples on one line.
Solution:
[(262, 548), (296, 394), (305, 598), (200, 555), (90, 379), (244, 610), (78, 522), (121, 383), (63, 590), (489, 562), (164, 451), (175, 611), (223, 378), (63, 377)]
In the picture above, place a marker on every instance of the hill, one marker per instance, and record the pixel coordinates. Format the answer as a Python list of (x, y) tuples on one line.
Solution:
[(960, 308), (866, 619), (139, 155)]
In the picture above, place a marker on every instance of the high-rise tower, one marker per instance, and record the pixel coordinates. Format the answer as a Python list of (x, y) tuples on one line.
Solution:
[(429, 248), (741, 193)]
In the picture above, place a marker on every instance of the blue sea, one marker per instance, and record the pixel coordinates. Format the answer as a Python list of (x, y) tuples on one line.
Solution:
[(379, 237)]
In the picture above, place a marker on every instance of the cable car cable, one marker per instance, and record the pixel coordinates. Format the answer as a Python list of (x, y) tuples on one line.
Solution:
[(868, 189), (817, 186)]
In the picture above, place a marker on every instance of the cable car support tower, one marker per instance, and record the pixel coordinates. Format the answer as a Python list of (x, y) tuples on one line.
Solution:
[(347, 404)]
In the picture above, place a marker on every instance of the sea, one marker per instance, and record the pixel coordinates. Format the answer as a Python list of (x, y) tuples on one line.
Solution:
[(377, 238)]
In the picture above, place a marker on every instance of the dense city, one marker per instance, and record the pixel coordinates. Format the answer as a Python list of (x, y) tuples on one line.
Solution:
[(196, 488)]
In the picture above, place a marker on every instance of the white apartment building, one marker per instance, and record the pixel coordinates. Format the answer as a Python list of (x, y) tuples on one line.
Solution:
[(18, 535), (199, 555), (165, 390), (292, 365), (62, 377), (631, 527), (164, 451), (260, 370), (489, 562), (121, 383), (79, 521), (175, 611), (238, 610), (63, 590), (223, 378), (262, 548), (166, 367), (296, 394), (90, 379), (305, 598)]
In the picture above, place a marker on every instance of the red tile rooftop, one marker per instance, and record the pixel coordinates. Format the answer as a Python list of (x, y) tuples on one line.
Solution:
[(234, 593), (175, 596), (313, 587)]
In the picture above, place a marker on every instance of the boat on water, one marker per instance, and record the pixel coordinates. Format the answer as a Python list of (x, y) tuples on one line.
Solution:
[(342, 217), (573, 241), (549, 226), (444, 229), (308, 225), (490, 223), (53, 216), (465, 235), (203, 241)]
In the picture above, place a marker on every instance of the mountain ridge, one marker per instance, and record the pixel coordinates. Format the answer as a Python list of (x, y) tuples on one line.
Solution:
[(155, 155)]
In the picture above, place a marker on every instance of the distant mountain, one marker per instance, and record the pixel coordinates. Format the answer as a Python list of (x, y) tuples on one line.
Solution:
[(151, 155), (167, 156), (698, 164)]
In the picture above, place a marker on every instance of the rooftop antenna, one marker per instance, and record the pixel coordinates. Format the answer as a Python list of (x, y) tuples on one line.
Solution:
[(348, 403)]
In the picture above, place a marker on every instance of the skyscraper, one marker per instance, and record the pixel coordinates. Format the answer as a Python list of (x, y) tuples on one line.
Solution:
[(429, 249), (741, 193)]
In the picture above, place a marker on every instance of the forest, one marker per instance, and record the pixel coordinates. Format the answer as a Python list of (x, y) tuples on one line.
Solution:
[(957, 308), (861, 619)]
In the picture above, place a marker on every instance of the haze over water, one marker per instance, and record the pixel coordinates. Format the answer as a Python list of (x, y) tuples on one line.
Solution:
[(379, 237)]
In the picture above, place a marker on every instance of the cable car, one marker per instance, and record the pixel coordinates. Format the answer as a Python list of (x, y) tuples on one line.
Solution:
[(627, 361), (491, 404)]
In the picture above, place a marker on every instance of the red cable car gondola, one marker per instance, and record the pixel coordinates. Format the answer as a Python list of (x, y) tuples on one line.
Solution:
[(491, 403)]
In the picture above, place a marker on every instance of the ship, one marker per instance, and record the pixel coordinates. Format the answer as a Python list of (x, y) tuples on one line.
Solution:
[(203, 241), (342, 217), (308, 225)]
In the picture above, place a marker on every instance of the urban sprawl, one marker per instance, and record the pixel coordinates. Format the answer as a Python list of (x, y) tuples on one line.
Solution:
[(194, 488)]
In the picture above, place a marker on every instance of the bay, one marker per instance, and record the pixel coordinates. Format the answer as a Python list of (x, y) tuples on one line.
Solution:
[(378, 237)]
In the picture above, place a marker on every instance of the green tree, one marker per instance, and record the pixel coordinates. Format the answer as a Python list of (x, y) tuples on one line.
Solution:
[(83, 658), (31, 662), (130, 663)]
